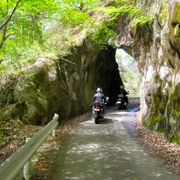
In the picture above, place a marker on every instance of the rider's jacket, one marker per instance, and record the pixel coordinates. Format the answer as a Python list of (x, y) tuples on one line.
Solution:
[(123, 92), (99, 98)]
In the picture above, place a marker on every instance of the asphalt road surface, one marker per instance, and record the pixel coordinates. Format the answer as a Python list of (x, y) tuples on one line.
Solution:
[(108, 151)]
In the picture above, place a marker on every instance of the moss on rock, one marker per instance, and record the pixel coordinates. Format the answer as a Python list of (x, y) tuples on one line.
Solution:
[(174, 24), (173, 113), (164, 11)]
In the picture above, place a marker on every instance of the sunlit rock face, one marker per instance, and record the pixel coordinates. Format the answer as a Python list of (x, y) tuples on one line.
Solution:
[(156, 47), (66, 86)]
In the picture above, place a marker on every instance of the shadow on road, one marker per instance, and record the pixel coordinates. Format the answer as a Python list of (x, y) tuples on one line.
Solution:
[(108, 151), (107, 121)]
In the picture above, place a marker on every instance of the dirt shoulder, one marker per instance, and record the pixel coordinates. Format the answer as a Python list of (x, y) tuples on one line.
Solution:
[(156, 143), (13, 135)]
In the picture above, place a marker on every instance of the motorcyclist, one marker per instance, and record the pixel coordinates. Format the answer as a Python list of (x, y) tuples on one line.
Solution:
[(124, 93), (99, 98)]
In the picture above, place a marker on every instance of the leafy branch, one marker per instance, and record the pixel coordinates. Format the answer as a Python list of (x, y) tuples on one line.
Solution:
[(10, 16)]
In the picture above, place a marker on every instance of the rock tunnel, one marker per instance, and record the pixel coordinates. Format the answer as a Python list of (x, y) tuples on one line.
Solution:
[(67, 86)]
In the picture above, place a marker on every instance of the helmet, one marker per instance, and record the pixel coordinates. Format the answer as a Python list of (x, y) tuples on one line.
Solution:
[(121, 87), (99, 90)]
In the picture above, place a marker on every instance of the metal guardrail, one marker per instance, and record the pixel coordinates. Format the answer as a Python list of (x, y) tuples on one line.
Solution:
[(12, 166), (134, 100)]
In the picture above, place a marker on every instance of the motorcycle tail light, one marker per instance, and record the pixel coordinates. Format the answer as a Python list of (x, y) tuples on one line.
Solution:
[(97, 108)]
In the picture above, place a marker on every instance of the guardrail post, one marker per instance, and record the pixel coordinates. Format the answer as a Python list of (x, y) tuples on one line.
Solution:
[(26, 168)]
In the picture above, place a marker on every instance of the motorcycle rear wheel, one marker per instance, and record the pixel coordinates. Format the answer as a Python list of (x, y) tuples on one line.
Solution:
[(96, 121)]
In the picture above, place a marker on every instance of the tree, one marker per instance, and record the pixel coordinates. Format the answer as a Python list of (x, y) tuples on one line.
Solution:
[(21, 23), (24, 24), (3, 26)]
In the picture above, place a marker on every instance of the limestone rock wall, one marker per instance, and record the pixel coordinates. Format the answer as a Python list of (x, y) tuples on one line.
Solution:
[(157, 50)]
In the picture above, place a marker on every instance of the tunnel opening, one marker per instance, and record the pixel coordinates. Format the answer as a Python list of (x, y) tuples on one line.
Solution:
[(128, 72), (107, 74), (113, 68)]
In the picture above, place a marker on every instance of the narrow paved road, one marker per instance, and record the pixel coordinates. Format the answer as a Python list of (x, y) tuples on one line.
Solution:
[(108, 151)]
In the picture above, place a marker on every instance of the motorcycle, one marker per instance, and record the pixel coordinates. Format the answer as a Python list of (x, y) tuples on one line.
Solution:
[(98, 110), (98, 113), (121, 102)]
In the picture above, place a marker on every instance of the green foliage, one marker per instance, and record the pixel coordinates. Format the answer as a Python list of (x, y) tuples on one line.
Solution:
[(49, 27), (76, 12), (102, 35), (126, 7), (142, 20), (40, 28), (24, 29), (105, 31)]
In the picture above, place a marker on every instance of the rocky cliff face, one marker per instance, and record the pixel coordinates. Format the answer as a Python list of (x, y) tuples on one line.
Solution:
[(65, 86), (157, 50)]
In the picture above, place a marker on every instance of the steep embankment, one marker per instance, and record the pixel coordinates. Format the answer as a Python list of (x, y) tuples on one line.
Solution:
[(156, 47)]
